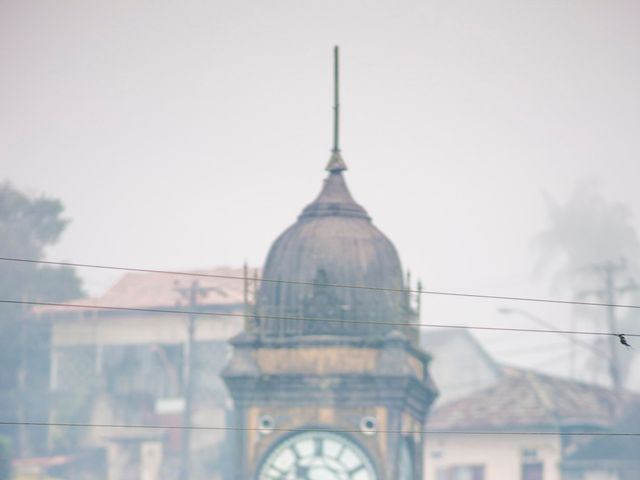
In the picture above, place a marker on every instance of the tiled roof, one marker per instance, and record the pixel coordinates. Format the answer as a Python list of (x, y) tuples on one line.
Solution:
[(523, 399), (158, 290)]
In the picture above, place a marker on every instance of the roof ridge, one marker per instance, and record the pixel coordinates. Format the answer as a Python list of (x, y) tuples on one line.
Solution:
[(558, 378)]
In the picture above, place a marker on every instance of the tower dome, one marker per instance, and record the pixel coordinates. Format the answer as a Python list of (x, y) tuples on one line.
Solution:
[(333, 242)]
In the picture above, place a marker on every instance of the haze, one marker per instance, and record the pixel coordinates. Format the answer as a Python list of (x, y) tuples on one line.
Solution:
[(189, 134)]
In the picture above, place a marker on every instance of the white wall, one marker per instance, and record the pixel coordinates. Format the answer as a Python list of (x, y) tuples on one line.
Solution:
[(500, 454), (600, 475), (141, 329)]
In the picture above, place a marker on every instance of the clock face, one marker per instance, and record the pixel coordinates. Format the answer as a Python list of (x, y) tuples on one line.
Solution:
[(317, 456)]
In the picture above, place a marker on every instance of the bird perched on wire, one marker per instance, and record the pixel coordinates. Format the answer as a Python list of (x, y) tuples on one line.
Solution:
[(623, 340)]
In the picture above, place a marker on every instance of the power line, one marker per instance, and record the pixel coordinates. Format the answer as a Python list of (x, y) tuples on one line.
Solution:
[(310, 319), (336, 285), (315, 429)]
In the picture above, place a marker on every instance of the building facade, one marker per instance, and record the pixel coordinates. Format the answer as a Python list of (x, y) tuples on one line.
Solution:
[(128, 367), (520, 427), (329, 377)]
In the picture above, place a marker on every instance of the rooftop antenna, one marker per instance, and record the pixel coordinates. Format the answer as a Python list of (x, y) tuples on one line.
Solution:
[(336, 163)]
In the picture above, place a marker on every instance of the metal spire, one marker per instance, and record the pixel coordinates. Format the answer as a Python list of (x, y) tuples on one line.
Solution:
[(336, 163), (336, 100)]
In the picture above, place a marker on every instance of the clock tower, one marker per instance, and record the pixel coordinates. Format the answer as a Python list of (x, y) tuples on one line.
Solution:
[(328, 380)]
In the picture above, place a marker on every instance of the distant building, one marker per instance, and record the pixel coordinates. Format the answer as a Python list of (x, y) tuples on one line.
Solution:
[(126, 367), (459, 365), (521, 401), (607, 458)]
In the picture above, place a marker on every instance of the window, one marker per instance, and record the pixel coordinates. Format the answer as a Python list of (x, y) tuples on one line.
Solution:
[(532, 471), (461, 472), (473, 472)]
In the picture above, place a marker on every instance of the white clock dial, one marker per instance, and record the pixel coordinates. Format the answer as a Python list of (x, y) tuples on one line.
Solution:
[(317, 456)]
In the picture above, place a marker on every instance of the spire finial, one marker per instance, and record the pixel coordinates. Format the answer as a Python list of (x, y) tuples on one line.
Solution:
[(336, 163), (336, 99)]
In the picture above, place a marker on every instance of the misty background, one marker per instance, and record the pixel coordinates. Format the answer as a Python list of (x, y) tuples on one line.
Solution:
[(495, 143)]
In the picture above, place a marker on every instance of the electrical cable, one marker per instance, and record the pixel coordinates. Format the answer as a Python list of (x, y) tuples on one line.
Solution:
[(316, 429), (310, 319), (336, 285)]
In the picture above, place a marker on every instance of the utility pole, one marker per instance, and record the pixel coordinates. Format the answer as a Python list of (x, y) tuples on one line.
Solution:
[(23, 319), (249, 322), (608, 271), (191, 294)]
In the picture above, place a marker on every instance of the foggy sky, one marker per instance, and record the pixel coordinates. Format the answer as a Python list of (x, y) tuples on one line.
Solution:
[(189, 134)]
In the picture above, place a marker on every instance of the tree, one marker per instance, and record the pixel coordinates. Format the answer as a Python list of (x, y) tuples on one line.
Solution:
[(28, 226), (588, 230)]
